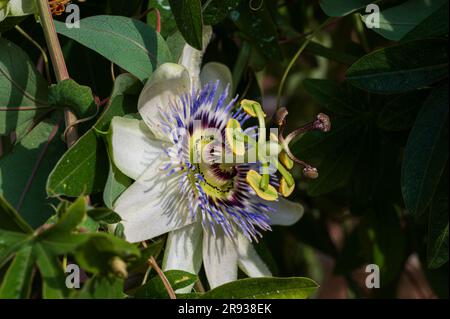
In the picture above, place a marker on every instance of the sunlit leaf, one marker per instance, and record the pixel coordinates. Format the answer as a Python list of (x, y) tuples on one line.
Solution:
[(21, 86), (264, 288), (155, 288), (129, 43)]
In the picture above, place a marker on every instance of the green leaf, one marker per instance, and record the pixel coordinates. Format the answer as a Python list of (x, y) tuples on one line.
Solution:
[(81, 170), (399, 113), (119, 231), (402, 67), (63, 244), (264, 288), (116, 184), (96, 253), (101, 287), (121, 103), (435, 25), (125, 84), (426, 152), (89, 225), (338, 8), (188, 16), (68, 222), (437, 250), (259, 27), (176, 44), (53, 277), (131, 44), (105, 215), (153, 249), (21, 85), (10, 242), (60, 238), (17, 281), (217, 10), (29, 165), (154, 288), (69, 93), (11, 220), (397, 21)]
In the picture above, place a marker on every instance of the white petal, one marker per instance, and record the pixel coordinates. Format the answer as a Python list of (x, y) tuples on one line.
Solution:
[(184, 251), (3, 9), (21, 7), (133, 146), (285, 212), (153, 205), (214, 71), (249, 260), (219, 258), (191, 58), (167, 83)]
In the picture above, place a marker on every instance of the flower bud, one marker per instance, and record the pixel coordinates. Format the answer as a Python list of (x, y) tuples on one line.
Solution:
[(119, 267)]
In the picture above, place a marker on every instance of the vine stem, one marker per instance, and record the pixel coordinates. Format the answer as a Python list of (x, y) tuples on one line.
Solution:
[(39, 47), (295, 58), (59, 65), (152, 262)]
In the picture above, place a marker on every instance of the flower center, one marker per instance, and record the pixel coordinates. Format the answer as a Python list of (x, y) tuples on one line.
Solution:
[(217, 181)]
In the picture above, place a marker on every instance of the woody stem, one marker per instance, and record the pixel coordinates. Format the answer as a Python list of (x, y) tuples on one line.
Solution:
[(59, 65)]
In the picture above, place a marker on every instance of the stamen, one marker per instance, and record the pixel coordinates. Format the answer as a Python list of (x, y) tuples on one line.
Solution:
[(285, 189), (254, 180), (285, 160)]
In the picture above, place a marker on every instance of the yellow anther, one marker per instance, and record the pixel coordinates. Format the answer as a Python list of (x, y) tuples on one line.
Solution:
[(252, 108), (285, 190), (286, 160), (237, 145), (273, 137), (254, 180)]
